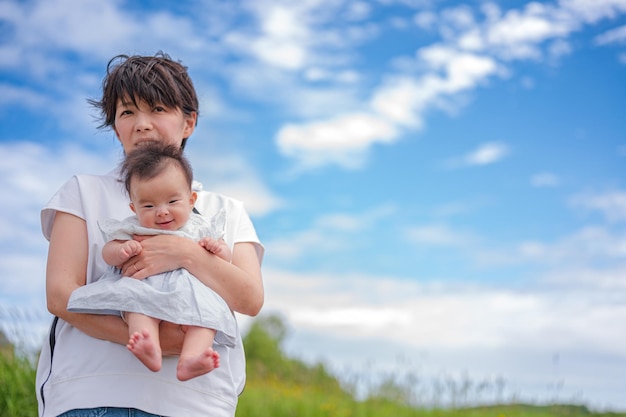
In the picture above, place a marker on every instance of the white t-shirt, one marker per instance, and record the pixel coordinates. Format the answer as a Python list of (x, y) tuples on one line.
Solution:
[(85, 372)]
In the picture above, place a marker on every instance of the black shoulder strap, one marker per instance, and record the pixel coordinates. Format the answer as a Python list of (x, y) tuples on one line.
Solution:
[(52, 339), (53, 335)]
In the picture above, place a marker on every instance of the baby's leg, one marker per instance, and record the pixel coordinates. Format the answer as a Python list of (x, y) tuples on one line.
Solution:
[(144, 339), (197, 356)]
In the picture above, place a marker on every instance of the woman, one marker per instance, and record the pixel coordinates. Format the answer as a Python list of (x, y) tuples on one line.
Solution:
[(89, 372)]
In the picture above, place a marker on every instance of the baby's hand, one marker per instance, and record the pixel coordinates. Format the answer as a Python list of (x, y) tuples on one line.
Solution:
[(216, 247), (129, 249)]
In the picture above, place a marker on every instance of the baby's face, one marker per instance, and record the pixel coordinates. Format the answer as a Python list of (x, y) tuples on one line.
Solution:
[(163, 202)]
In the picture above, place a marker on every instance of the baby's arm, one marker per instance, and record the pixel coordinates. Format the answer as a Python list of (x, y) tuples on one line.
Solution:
[(116, 252), (217, 247)]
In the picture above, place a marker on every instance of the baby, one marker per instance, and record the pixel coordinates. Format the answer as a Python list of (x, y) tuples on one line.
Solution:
[(158, 179)]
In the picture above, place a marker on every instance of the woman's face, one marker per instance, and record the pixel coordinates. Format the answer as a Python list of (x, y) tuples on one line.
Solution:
[(136, 125)]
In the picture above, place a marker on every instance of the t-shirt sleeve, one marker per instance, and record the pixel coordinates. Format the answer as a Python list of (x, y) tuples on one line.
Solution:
[(247, 233), (67, 199), (239, 227)]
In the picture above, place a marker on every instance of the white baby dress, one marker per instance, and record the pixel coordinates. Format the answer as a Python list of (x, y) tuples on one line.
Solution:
[(174, 296)]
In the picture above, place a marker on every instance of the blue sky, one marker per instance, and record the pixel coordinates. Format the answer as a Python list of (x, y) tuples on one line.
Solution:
[(439, 184)]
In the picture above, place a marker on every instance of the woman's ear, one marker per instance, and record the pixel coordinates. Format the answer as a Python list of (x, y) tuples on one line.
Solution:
[(190, 124)]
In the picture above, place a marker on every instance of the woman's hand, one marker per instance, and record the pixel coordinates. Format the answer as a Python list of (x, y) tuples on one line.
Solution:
[(160, 253)]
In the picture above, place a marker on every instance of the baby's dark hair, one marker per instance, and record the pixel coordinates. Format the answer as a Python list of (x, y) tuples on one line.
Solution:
[(154, 79), (148, 161)]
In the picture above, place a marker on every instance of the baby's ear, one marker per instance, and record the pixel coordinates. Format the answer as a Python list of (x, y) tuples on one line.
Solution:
[(132, 207), (193, 198)]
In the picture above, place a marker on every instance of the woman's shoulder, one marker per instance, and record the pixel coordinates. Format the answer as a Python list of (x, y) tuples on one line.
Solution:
[(111, 178), (83, 195), (217, 201)]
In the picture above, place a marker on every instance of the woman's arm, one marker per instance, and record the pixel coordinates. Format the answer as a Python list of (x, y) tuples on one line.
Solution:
[(67, 270), (238, 282)]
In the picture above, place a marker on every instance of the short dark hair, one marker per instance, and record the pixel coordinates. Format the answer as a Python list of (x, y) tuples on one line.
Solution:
[(153, 79), (148, 161)]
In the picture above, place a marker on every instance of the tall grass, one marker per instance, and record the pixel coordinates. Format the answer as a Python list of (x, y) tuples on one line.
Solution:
[(17, 386)]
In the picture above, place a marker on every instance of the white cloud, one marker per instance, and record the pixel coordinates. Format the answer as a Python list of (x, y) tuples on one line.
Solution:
[(355, 221), (232, 175), (591, 245), (454, 208), (340, 221), (461, 70), (438, 235), (545, 179), (45, 33), (461, 17), (30, 266), (11, 95), (400, 99), (486, 154), (88, 27), (282, 41), (255, 195), (617, 35), (265, 84), (358, 10), (433, 317), (296, 245), (531, 26), (316, 74), (343, 140), (33, 171), (376, 318), (559, 48), (605, 279), (330, 232), (611, 204), (425, 20), (293, 36), (592, 11), (77, 26)]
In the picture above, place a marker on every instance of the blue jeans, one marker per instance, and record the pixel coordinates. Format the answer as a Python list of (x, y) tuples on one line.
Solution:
[(107, 412)]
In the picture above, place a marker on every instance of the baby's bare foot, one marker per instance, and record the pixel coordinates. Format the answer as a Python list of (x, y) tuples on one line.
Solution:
[(145, 349), (192, 367)]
